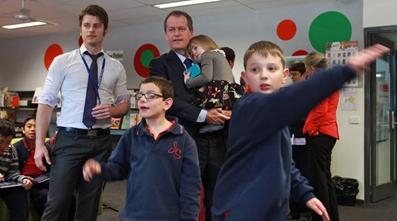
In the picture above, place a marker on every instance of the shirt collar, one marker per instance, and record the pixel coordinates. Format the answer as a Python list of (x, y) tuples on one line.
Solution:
[(84, 49), (181, 57), (175, 128)]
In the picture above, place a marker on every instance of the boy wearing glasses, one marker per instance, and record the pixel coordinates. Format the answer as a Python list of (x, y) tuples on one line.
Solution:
[(155, 146)]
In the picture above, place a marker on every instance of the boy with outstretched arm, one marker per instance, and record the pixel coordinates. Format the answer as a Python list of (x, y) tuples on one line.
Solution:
[(258, 175), (158, 158)]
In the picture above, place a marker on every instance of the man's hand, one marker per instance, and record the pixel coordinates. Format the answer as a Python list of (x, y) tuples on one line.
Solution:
[(102, 111), (27, 183), (1, 177), (315, 205), (40, 153), (217, 116), (90, 169)]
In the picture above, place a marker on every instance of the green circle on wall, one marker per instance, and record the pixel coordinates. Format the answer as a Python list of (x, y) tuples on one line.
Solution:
[(146, 57), (329, 27)]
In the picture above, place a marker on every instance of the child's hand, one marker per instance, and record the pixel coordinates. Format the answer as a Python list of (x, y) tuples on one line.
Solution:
[(90, 169), (315, 205), (186, 76), (365, 57), (27, 183), (1, 177)]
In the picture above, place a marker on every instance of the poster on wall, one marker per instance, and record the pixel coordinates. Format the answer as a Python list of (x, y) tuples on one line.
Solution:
[(119, 55), (339, 52), (348, 99)]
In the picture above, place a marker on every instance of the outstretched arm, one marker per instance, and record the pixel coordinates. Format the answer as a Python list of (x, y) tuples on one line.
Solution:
[(366, 56)]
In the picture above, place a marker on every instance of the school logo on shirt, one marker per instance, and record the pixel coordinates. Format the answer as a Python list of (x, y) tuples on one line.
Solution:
[(175, 151)]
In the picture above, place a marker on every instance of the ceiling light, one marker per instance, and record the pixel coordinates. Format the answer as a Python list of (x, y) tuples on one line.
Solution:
[(183, 3), (24, 25)]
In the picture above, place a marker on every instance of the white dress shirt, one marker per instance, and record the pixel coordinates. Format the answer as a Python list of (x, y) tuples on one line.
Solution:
[(69, 76)]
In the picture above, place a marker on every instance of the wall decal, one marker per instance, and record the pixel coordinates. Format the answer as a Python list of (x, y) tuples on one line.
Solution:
[(142, 58), (51, 52), (329, 27), (286, 29)]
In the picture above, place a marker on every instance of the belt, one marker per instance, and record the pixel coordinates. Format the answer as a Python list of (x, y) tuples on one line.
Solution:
[(87, 132)]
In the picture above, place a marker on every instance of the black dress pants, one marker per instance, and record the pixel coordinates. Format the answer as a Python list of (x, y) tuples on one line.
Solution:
[(211, 149), (69, 155), (320, 150)]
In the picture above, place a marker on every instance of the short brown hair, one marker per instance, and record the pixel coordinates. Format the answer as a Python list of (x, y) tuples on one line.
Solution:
[(298, 66), (163, 84), (97, 11), (205, 41), (178, 13), (6, 128), (264, 48)]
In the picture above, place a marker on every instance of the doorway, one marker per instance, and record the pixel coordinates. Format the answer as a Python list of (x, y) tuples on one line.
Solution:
[(380, 118)]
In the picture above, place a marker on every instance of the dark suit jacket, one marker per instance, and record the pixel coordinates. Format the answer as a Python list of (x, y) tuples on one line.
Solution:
[(169, 66)]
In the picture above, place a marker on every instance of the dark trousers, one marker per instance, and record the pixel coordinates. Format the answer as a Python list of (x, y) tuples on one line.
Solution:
[(301, 158), (320, 150), (211, 149), (16, 199), (38, 196), (70, 153)]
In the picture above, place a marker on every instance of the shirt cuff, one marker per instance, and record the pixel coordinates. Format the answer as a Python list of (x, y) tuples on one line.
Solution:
[(201, 117)]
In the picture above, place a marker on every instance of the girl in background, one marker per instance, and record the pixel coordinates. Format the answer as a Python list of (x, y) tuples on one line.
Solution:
[(321, 130)]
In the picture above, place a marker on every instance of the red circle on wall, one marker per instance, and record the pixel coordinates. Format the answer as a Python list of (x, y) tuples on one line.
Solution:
[(300, 53), (142, 58), (51, 52), (286, 29)]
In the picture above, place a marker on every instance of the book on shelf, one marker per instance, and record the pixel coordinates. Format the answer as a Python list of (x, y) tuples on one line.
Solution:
[(115, 123), (9, 184)]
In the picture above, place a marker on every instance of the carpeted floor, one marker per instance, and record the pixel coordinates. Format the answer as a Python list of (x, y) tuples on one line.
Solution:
[(385, 210)]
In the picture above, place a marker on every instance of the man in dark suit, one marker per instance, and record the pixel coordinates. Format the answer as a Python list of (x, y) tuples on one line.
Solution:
[(178, 28)]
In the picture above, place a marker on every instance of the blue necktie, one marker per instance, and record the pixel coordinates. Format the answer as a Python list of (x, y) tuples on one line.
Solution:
[(188, 63), (91, 94)]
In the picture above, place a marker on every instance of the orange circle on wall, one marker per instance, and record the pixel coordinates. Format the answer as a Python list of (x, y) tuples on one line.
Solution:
[(286, 29), (300, 53), (51, 52)]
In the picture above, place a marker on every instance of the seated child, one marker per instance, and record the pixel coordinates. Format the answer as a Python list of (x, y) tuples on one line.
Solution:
[(216, 85), (258, 175), (26, 149), (16, 198), (159, 159)]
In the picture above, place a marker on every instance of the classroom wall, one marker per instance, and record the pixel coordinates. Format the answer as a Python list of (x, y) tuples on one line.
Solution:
[(22, 59)]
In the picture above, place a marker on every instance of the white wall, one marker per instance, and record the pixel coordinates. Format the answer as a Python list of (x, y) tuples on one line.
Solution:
[(22, 59), (379, 13)]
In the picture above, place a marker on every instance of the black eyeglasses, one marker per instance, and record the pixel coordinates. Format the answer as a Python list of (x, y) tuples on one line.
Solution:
[(148, 96)]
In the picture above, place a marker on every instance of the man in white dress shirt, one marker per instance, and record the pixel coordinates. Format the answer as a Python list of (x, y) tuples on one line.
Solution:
[(83, 130)]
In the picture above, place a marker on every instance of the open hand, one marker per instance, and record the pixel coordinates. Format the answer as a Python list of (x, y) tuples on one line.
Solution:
[(315, 205)]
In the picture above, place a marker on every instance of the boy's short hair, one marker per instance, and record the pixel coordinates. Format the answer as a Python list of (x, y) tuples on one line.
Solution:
[(264, 48), (95, 10), (178, 13), (165, 86), (28, 118), (205, 41), (298, 66), (6, 128)]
